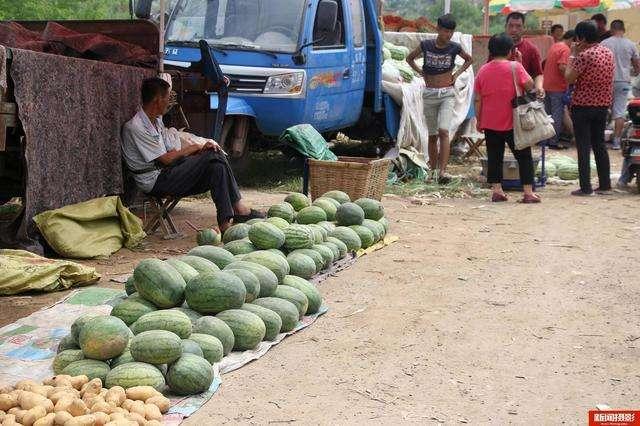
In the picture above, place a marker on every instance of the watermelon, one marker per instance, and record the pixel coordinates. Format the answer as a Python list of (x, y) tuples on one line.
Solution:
[(334, 250), (122, 359), (215, 292), (297, 237), (568, 171), (279, 222), (254, 221), (217, 328), (156, 347), (217, 255), (193, 315), (376, 228), (212, 349), (268, 280), (135, 374), (184, 269), (65, 358), (310, 291), (301, 265), (159, 283), (277, 264), (342, 247), (248, 329), (311, 214), (339, 196), (91, 368), (272, 321), (163, 368), (278, 252), (191, 347), (236, 232), (329, 208), (208, 237), (130, 285), (314, 255), (283, 211), (385, 223), (189, 375), (250, 281), (200, 264), (326, 253), (242, 246), (132, 308), (328, 226), (265, 235), (332, 201), (171, 320), (348, 236), (349, 214), (238, 257), (294, 296), (104, 337), (366, 236), (298, 201), (67, 342), (318, 233), (77, 325), (373, 209), (287, 311)]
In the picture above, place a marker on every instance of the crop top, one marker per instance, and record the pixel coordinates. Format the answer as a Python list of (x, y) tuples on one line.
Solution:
[(436, 60)]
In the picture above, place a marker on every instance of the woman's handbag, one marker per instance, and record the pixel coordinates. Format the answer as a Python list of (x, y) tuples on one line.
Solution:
[(531, 123)]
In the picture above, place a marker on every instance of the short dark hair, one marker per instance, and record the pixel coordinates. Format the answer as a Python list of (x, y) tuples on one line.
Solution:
[(515, 15), (556, 26), (447, 21), (599, 17), (617, 25), (587, 31), (500, 45), (153, 87), (569, 35)]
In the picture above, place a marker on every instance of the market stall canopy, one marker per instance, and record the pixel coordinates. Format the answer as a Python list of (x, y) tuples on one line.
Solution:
[(559, 6)]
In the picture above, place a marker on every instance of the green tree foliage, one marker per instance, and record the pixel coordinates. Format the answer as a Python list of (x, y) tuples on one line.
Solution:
[(63, 9), (468, 14)]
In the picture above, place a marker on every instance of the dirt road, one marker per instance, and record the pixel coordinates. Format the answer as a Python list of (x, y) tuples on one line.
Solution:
[(481, 313)]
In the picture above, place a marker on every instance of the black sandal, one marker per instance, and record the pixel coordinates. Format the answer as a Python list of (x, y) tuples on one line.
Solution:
[(254, 214)]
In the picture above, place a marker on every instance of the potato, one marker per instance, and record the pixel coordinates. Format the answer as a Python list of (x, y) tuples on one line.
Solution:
[(127, 404), (6, 389), (94, 387), (90, 402), (101, 407), (115, 409), (137, 407), (137, 418), (26, 384), (86, 420), (101, 419), (161, 402), (7, 401), (141, 393), (41, 390), (18, 413), (152, 412), (121, 422), (118, 416), (59, 393), (79, 381), (33, 414), (9, 420), (28, 400), (56, 380), (154, 423), (116, 395), (47, 420), (62, 417), (77, 408), (2, 415), (64, 403)]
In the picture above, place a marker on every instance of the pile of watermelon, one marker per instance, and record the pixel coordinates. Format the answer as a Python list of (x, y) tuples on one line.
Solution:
[(183, 314)]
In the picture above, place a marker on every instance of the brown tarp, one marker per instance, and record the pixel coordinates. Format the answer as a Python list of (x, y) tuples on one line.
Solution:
[(72, 111)]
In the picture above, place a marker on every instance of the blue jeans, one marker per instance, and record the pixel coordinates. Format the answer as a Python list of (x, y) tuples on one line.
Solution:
[(625, 173), (555, 107)]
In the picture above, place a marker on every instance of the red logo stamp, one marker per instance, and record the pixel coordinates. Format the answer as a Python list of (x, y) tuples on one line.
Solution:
[(614, 418)]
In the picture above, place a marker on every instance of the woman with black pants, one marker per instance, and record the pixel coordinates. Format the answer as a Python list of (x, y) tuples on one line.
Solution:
[(495, 91), (591, 68)]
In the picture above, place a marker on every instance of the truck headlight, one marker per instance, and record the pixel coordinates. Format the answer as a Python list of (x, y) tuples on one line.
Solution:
[(290, 83)]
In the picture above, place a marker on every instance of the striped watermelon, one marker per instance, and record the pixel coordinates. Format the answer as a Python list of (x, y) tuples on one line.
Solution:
[(283, 211), (265, 235), (159, 283), (217, 255), (277, 264), (268, 280), (135, 374), (217, 328), (212, 349), (156, 347), (215, 292), (189, 375), (248, 329), (298, 237), (171, 320)]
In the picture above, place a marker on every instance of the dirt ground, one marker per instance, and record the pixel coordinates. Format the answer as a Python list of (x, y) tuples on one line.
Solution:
[(481, 313)]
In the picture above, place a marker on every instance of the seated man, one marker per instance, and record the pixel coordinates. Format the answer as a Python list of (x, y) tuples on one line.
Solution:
[(164, 166)]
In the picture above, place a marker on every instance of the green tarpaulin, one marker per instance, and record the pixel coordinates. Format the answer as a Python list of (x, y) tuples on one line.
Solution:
[(305, 139)]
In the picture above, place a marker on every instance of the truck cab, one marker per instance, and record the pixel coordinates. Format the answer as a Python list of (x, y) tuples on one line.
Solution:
[(288, 62)]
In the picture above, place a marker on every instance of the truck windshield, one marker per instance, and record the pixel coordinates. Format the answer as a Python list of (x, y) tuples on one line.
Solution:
[(271, 25)]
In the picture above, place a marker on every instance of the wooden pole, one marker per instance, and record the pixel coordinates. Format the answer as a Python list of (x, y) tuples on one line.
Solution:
[(161, 44), (485, 21)]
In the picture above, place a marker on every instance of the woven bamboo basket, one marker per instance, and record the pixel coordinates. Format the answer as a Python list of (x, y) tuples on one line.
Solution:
[(358, 177)]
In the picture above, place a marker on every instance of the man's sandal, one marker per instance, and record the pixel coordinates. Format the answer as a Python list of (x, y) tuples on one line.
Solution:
[(254, 214)]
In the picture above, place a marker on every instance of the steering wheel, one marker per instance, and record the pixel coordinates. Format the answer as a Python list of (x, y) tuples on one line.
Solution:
[(281, 29)]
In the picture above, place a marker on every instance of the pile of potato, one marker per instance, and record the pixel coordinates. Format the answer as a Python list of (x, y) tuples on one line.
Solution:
[(77, 401)]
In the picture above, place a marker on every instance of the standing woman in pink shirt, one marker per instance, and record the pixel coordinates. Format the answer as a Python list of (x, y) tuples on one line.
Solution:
[(494, 93)]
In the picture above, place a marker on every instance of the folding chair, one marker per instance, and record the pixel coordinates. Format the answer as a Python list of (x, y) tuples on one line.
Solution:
[(160, 216), (472, 138)]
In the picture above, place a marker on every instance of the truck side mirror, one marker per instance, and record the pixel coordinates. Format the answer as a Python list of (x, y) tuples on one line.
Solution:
[(326, 17), (143, 9)]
